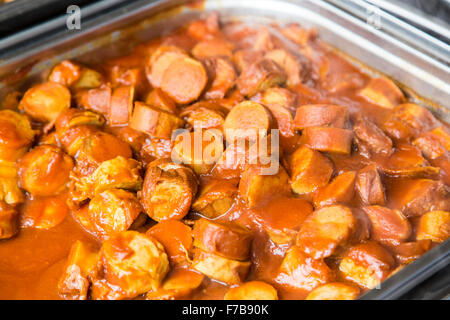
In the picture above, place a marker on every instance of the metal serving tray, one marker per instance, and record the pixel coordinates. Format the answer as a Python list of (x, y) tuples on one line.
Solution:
[(25, 56)]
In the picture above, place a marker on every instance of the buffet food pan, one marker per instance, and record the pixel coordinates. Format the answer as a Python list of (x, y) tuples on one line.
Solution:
[(425, 79)]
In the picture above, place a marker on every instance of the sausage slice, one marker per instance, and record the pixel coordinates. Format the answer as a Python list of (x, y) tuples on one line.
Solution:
[(288, 63), (121, 106), (371, 139), (388, 226), (369, 186), (153, 121), (415, 197), (298, 271), (44, 171), (434, 143), (253, 290), (215, 198), (45, 101), (320, 115), (247, 120), (260, 76), (434, 225), (334, 291), (340, 190), (367, 264), (74, 283), (382, 92), (177, 239), (228, 241), (113, 211), (222, 76), (184, 80), (324, 230), (309, 170), (168, 190), (65, 73), (331, 140), (132, 263), (255, 187), (16, 135), (220, 268)]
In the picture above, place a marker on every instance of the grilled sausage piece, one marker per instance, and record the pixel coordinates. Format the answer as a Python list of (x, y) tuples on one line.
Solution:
[(279, 96), (222, 76), (407, 121), (9, 184), (382, 92), (97, 99), (370, 139), (177, 239), (434, 225), (16, 135), (340, 190), (288, 63), (132, 264), (367, 264), (260, 76), (244, 58), (309, 170), (320, 115), (298, 271), (113, 211), (168, 190), (159, 99), (44, 102), (121, 105), (220, 268), (407, 252), (160, 61), (369, 186), (9, 221), (65, 73), (177, 285), (331, 140), (279, 106), (434, 143), (89, 79), (215, 198), (204, 115), (72, 118), (407, 162), (213, 48), (184, 80), (388, 226), (334, 291), (199, 150), (415, 197), (231, 242), (117, 173), (255, 187), (153, 121), (44, 171), (44, 212), (248, 120), (75, 282), (253, 290), (325, 230), (282, 217), (97, 148)]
